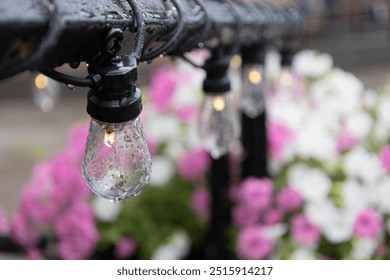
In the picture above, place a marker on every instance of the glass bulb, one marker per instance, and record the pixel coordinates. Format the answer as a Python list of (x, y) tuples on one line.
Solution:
[(252, 99), (117, 163), (219, 127)]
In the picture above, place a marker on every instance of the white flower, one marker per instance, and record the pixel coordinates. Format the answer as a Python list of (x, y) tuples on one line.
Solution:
[(314, 141), (370, 99), (364, 248), (383, 116), (355, 196), (380, 195), (303, 253), (185, 95), (359, 163), (359, 124), (174, 149), (339, 229), (275, 232), (311, 63), (311, 183), (105, 210), (163, 170), (177, 247), (163, 128), (287, 112), (339, 91), (272, 65), (336, 224)]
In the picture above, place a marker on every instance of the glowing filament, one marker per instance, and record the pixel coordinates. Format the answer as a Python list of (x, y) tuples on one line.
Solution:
[(109, 138), (236, 62), (286, 79), (41, 81), (219, 103), (255, 76)]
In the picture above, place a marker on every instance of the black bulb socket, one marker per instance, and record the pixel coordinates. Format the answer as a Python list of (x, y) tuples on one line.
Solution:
[(253, 55), (217, 79), (116, 99)]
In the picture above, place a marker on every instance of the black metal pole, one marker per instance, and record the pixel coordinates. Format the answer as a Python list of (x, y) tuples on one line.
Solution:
[(254, 141), (254, 129), (215, 241)]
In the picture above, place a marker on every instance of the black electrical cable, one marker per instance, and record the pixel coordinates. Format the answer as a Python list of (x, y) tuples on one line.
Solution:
[(203, 34), (66, 79), (140, 38), (179, 28), (237, 45), (93, 81), (53, 33)]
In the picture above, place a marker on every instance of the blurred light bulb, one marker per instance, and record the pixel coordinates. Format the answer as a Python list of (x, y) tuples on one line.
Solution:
[(41, 81), (117, 163), (255, 76), (252, 99), (286, 78), (236, 62), (219, 103), (219, 127), (45, 93)]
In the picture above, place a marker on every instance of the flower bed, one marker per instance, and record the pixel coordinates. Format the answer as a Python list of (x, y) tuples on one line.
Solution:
[(327, 197)]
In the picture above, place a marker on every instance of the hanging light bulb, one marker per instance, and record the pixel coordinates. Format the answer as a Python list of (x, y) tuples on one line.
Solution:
[(219, 127), (289, 81), (253, 81), (45, 93), (117, 163)]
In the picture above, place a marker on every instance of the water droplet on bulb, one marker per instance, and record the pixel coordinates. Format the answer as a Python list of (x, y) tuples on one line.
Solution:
[(70, 86), (200, 45)]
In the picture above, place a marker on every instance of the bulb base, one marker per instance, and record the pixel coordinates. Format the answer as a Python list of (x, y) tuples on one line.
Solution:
[(120, 110)]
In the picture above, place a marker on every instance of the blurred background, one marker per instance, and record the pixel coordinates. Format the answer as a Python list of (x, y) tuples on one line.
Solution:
[(354, 32)]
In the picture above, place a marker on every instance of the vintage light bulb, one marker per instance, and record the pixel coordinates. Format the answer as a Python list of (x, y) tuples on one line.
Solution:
[(117, 163), (252, 99), (219, 127), (45, 93)]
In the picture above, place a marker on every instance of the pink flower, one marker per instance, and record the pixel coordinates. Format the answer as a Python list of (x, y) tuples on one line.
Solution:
[(244, 215), (234, 193), (68, 179), (34, 254), (289, 199), (23, 231), (200, 202), (253, 244), (76, 141), (279, 136), (125, 248), (273, 216), (368, 224), (381, 250), (152, 145), (162, 87), (193, 164), (186, 113), (256, 193), (303, 231), (384, 156), (77, 233), (345, 141)]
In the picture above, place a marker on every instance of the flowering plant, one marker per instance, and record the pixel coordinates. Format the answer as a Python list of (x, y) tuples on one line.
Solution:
[(329, 159), (326, 198)]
